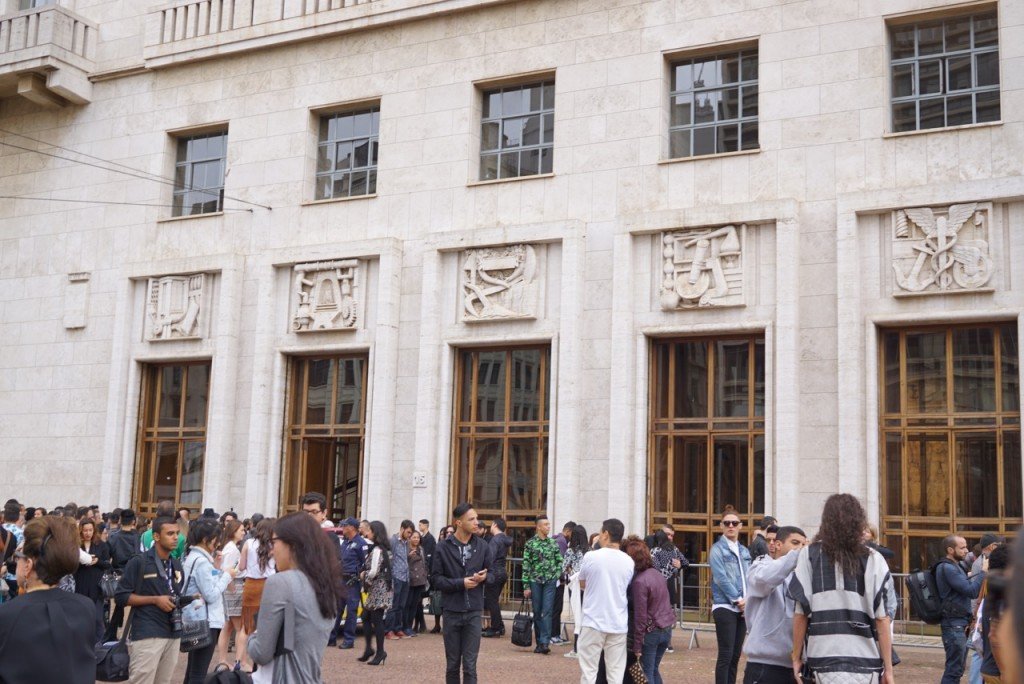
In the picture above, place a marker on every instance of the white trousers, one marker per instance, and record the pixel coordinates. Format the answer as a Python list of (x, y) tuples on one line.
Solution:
[(592, 644)]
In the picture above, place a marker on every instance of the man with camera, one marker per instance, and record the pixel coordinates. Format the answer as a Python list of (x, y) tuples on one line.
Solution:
[(152, 586)]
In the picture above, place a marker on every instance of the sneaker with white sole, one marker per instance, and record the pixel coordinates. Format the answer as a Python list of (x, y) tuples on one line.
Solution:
[(571, 654)]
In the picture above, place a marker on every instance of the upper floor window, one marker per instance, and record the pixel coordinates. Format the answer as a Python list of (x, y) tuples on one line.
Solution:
[(945, 72), (713, 104), (347, 154), (517, 132), (199, 174), (29, 4)]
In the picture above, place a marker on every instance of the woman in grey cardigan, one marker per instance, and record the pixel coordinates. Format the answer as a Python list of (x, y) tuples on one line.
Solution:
[(299, 604)]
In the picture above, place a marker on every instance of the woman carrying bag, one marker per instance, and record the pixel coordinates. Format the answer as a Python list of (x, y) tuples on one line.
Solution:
[(206, 581), (88, 575)]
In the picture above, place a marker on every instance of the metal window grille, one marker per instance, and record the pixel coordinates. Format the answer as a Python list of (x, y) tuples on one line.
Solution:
[(347, 154), (713, 105), (945, 72), (517, 131)]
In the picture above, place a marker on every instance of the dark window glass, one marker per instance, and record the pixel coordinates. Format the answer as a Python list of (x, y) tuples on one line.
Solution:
[(517, 131), (199, 174), (347, 154)]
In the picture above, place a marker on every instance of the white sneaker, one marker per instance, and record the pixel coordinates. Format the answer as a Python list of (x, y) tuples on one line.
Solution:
[(571, 654)]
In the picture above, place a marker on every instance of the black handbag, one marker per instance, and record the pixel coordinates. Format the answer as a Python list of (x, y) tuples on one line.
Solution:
[(195, 634), (522, 626), (109, 582), (112, 657)]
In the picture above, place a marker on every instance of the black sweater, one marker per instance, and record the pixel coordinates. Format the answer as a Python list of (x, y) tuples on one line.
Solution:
[(47, 636)]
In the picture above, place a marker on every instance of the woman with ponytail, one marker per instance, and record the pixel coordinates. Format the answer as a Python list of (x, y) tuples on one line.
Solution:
[(47, 635)]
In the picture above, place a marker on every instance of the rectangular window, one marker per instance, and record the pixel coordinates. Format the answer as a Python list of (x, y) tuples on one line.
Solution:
[(517, 131), (950, 436), (501, 434), (945, 72), (326, 430), (706, 436), (199, 174), (29, 4), (346, 160), (713, 104), (172, 439)]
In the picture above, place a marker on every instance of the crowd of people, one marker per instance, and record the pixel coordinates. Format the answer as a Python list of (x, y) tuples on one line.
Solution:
[(279, 592)]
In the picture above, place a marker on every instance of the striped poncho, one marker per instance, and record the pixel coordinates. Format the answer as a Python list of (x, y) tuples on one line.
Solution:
[(841, 610)]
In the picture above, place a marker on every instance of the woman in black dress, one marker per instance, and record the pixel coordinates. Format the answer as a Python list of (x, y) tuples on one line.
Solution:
[(88, 575), (46, 635)]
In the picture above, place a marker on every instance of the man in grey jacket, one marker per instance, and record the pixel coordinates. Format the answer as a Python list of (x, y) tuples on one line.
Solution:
[(770, 611)]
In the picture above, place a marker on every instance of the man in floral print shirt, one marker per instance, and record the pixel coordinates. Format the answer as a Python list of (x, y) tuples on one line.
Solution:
[(542, 565)]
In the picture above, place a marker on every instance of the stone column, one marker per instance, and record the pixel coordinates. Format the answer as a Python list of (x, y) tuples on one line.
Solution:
[(113, 491), (782, 360), (263, 455)]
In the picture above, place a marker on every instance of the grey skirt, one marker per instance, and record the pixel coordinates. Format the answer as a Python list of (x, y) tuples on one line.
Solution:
[(233, 598)]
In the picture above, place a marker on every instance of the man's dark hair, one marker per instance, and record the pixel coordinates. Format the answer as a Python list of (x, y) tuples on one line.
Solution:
[(424, 521), (256, 519), (614, 528), (166, 509), (772, 529), (500, 524), (115, 516), (571, 525), (315, 498), (12, 511), (82, 512), (949, 542), (766, 522), (540, 517), (999, 559), (407, 525), (127, 517), (461, 509), (785, 532), (160, 522)]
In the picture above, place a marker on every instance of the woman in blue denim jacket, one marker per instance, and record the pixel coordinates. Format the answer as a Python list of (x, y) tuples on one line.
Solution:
[(203, 579), (730, 563)]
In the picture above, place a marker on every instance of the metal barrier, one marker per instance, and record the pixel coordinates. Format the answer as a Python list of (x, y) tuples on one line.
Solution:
[(694, 610)]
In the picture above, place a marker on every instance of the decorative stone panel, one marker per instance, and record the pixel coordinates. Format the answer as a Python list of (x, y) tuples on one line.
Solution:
[(941, 251), (326, 296), (702, 268), (76, 301), (175, 307), (499, 283)]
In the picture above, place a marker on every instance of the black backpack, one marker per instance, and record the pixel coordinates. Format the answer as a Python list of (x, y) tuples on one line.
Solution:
[(222, 674), (925, 599)]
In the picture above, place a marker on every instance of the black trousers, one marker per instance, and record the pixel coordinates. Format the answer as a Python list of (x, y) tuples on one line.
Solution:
[(492, 592), (731, 629), (556, 610), (461, 646), (763, 673), (116, 620), (199, 661)]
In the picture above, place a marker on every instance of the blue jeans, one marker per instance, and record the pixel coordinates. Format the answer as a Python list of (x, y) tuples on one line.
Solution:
[(974, 674), (543, 599), (655, 644), (396, 616), (954, 640)]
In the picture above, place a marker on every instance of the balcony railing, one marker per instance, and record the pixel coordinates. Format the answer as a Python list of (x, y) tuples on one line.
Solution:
[(188, 30), (49, 51)]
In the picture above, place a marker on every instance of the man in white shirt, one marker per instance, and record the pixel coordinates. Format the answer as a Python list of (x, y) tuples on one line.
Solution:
[(604, 576)]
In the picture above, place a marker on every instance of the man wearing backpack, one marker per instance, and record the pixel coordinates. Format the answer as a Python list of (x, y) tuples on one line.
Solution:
[(956, 591), (123, 547)]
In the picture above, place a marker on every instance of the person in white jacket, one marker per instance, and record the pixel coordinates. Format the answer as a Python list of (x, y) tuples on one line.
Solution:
[(769, 610)]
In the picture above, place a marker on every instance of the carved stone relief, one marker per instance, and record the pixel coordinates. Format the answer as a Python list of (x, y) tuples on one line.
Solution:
[(174, 307), (702, 268), (499, 283), (326, 296), (941, 251)]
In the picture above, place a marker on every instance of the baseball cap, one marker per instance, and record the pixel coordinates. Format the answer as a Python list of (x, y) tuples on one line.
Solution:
[(349, 522), (989, 538)]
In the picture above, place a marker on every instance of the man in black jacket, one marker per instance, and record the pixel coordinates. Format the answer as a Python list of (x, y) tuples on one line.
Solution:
[(461, 569), (427, 541), (501, 543), (123, 547)]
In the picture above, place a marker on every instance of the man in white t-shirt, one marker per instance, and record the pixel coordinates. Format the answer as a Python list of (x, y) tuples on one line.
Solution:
[(605, 575)]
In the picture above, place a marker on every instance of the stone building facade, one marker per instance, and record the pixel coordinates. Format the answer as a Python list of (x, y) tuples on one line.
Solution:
[(633, 258)]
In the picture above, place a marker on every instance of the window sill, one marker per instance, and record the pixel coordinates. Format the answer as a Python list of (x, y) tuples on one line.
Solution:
[(473, 184), (332, 200), (925, 131), (721, 155), (172, 219)]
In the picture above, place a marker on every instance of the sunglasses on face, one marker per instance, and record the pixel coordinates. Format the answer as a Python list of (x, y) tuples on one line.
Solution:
[(730, 523)]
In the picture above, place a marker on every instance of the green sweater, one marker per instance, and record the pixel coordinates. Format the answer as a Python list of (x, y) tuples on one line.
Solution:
[(542, 560)]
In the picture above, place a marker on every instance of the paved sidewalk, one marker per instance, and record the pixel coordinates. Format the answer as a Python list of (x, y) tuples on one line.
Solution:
[(421, 659)]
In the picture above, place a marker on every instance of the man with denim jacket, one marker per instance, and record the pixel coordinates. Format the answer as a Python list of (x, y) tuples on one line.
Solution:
[(956, 591), (769, 611), (730, 565)]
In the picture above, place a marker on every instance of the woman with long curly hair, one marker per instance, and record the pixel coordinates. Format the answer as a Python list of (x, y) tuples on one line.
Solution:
[(840, 586), (256, 565), (304, 592)]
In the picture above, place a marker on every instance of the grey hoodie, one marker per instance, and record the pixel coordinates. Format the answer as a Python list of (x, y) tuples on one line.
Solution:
[(769, 611)]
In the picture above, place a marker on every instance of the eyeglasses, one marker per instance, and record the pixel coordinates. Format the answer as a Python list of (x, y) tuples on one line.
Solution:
[(731, 523)]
